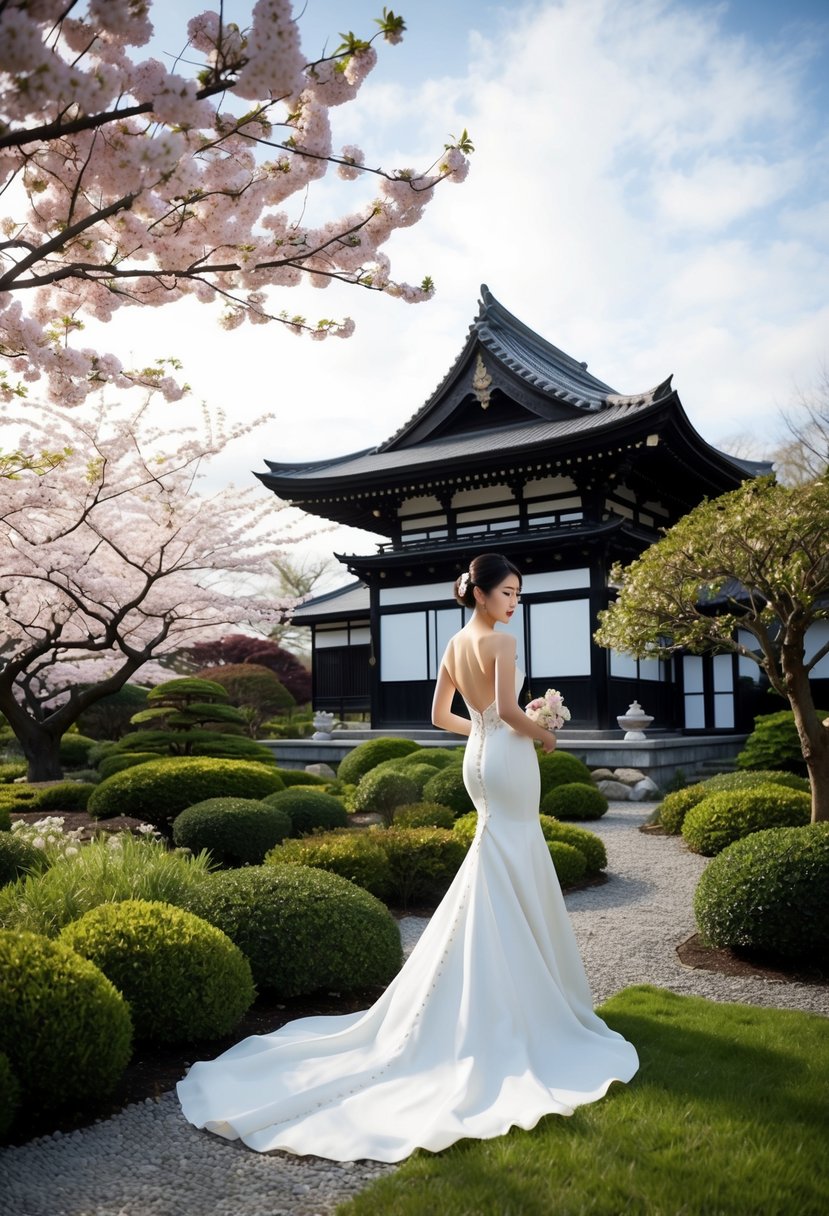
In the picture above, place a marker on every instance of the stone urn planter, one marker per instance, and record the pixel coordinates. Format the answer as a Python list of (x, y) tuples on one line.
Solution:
[(323, 723), (634, 723)]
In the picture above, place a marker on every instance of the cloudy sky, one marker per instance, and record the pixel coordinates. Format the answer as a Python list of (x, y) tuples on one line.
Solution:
[(650, 191)]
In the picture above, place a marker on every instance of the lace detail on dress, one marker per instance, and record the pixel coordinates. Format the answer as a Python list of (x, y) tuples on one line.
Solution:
[(486, 722)]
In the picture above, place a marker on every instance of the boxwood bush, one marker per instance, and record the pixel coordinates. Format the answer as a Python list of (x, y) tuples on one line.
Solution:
[(64, 1027), (298, 776), (381, 792), (235, 831), (9, 1095), (675, 806), (574, 800), (424, 815), (366, 755), (309, 809), (437, 757), (357, 856), (302, 930), (722, 818), (448, 788), (560, 768), (75, 749), (775, 744), (765, 895), (587, 843), (570, 863), (65, 796), (17, 857), (182, 978), (133, 868), (11, 770), (116, 762), (422, 862), (160, 789), (749, 777)]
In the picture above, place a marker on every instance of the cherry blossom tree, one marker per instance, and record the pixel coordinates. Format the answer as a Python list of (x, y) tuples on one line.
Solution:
[(131, 183), (112, 558)]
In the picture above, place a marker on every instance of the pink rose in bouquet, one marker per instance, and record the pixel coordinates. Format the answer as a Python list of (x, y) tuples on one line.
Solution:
[(548, 711)]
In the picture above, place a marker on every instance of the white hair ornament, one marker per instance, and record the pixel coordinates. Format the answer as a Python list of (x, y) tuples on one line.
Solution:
[(463, 583)]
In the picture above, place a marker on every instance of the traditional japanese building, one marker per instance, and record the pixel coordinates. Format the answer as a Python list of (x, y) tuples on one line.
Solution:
[(523, 451)]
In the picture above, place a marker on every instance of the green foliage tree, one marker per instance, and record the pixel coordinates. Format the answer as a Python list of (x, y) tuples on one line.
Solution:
[(256, 690), (755, 560), (188, 717)]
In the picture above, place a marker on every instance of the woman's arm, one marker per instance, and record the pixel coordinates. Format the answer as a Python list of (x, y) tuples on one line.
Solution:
[(506, 702), (442, 715)]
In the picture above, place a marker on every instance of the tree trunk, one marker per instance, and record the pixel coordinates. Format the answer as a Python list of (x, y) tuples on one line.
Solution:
[(814, 737), (42, 752)]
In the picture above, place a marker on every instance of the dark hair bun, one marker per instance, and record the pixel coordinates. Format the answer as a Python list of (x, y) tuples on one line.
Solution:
[(486, 571)]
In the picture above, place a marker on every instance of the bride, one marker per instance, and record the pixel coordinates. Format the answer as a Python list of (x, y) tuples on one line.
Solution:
[(490, 1022)]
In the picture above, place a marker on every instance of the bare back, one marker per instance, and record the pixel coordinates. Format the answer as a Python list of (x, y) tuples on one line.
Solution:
[(470, 661)]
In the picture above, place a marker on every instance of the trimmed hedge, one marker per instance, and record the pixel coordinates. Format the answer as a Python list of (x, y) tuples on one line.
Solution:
[(160, 789), (588, 843), (380, 792), (722, 818), (17, 857), (357, 856), (302, 930), (570, 863), (309, 809), (298, 776), (573, 800), (675, 806), (64, 1027), (422, 862), (366, 755), (65, 796), (116, 762), (775, 744), (11, 770), (436, 757), (183, 978), (235, 831), (560, 768), (75, 749), (448, 788), (424, 815), (750, 777), (766, 895)]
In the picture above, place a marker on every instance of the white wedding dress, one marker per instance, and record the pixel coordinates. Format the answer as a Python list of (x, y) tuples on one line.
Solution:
[(488, 1025)]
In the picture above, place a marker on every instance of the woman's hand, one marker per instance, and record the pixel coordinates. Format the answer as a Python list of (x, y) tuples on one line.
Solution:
[(548, 744)]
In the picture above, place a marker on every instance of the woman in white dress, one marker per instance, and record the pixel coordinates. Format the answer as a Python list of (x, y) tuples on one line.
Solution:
[(490, 1022)]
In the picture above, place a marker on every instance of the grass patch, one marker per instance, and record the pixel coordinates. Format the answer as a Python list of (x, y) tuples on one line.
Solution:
[(725, 1117)]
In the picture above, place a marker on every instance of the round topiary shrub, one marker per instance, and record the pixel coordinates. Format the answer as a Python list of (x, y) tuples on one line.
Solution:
[(465, 827), (357, 856), (422, 862), (309, 809), (749, 777), (574, 801), (381, 792), (560, 768), (570, 864), (302, 929), (183, 978), (9, 1095), (722, 818), (588, 844), (775, 744), (366, 755), (298, 776), (118, 761), (675, 806), (447, 787), (424, 815), (18, 856), (765, 895), (64, 1027), (235, 831), (160, 789), (65, 796), (74, 750), (437, 757)]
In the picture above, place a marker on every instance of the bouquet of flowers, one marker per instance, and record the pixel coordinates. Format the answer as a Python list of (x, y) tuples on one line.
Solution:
[(548, 711)]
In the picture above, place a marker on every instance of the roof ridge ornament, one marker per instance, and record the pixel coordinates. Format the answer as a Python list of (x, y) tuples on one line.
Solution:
[(482, 383)]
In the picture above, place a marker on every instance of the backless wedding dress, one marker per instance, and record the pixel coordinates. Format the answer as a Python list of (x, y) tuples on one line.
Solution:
[(488, 1025)]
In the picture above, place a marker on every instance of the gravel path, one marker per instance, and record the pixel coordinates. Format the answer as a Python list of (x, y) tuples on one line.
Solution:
[(147, 1161)]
